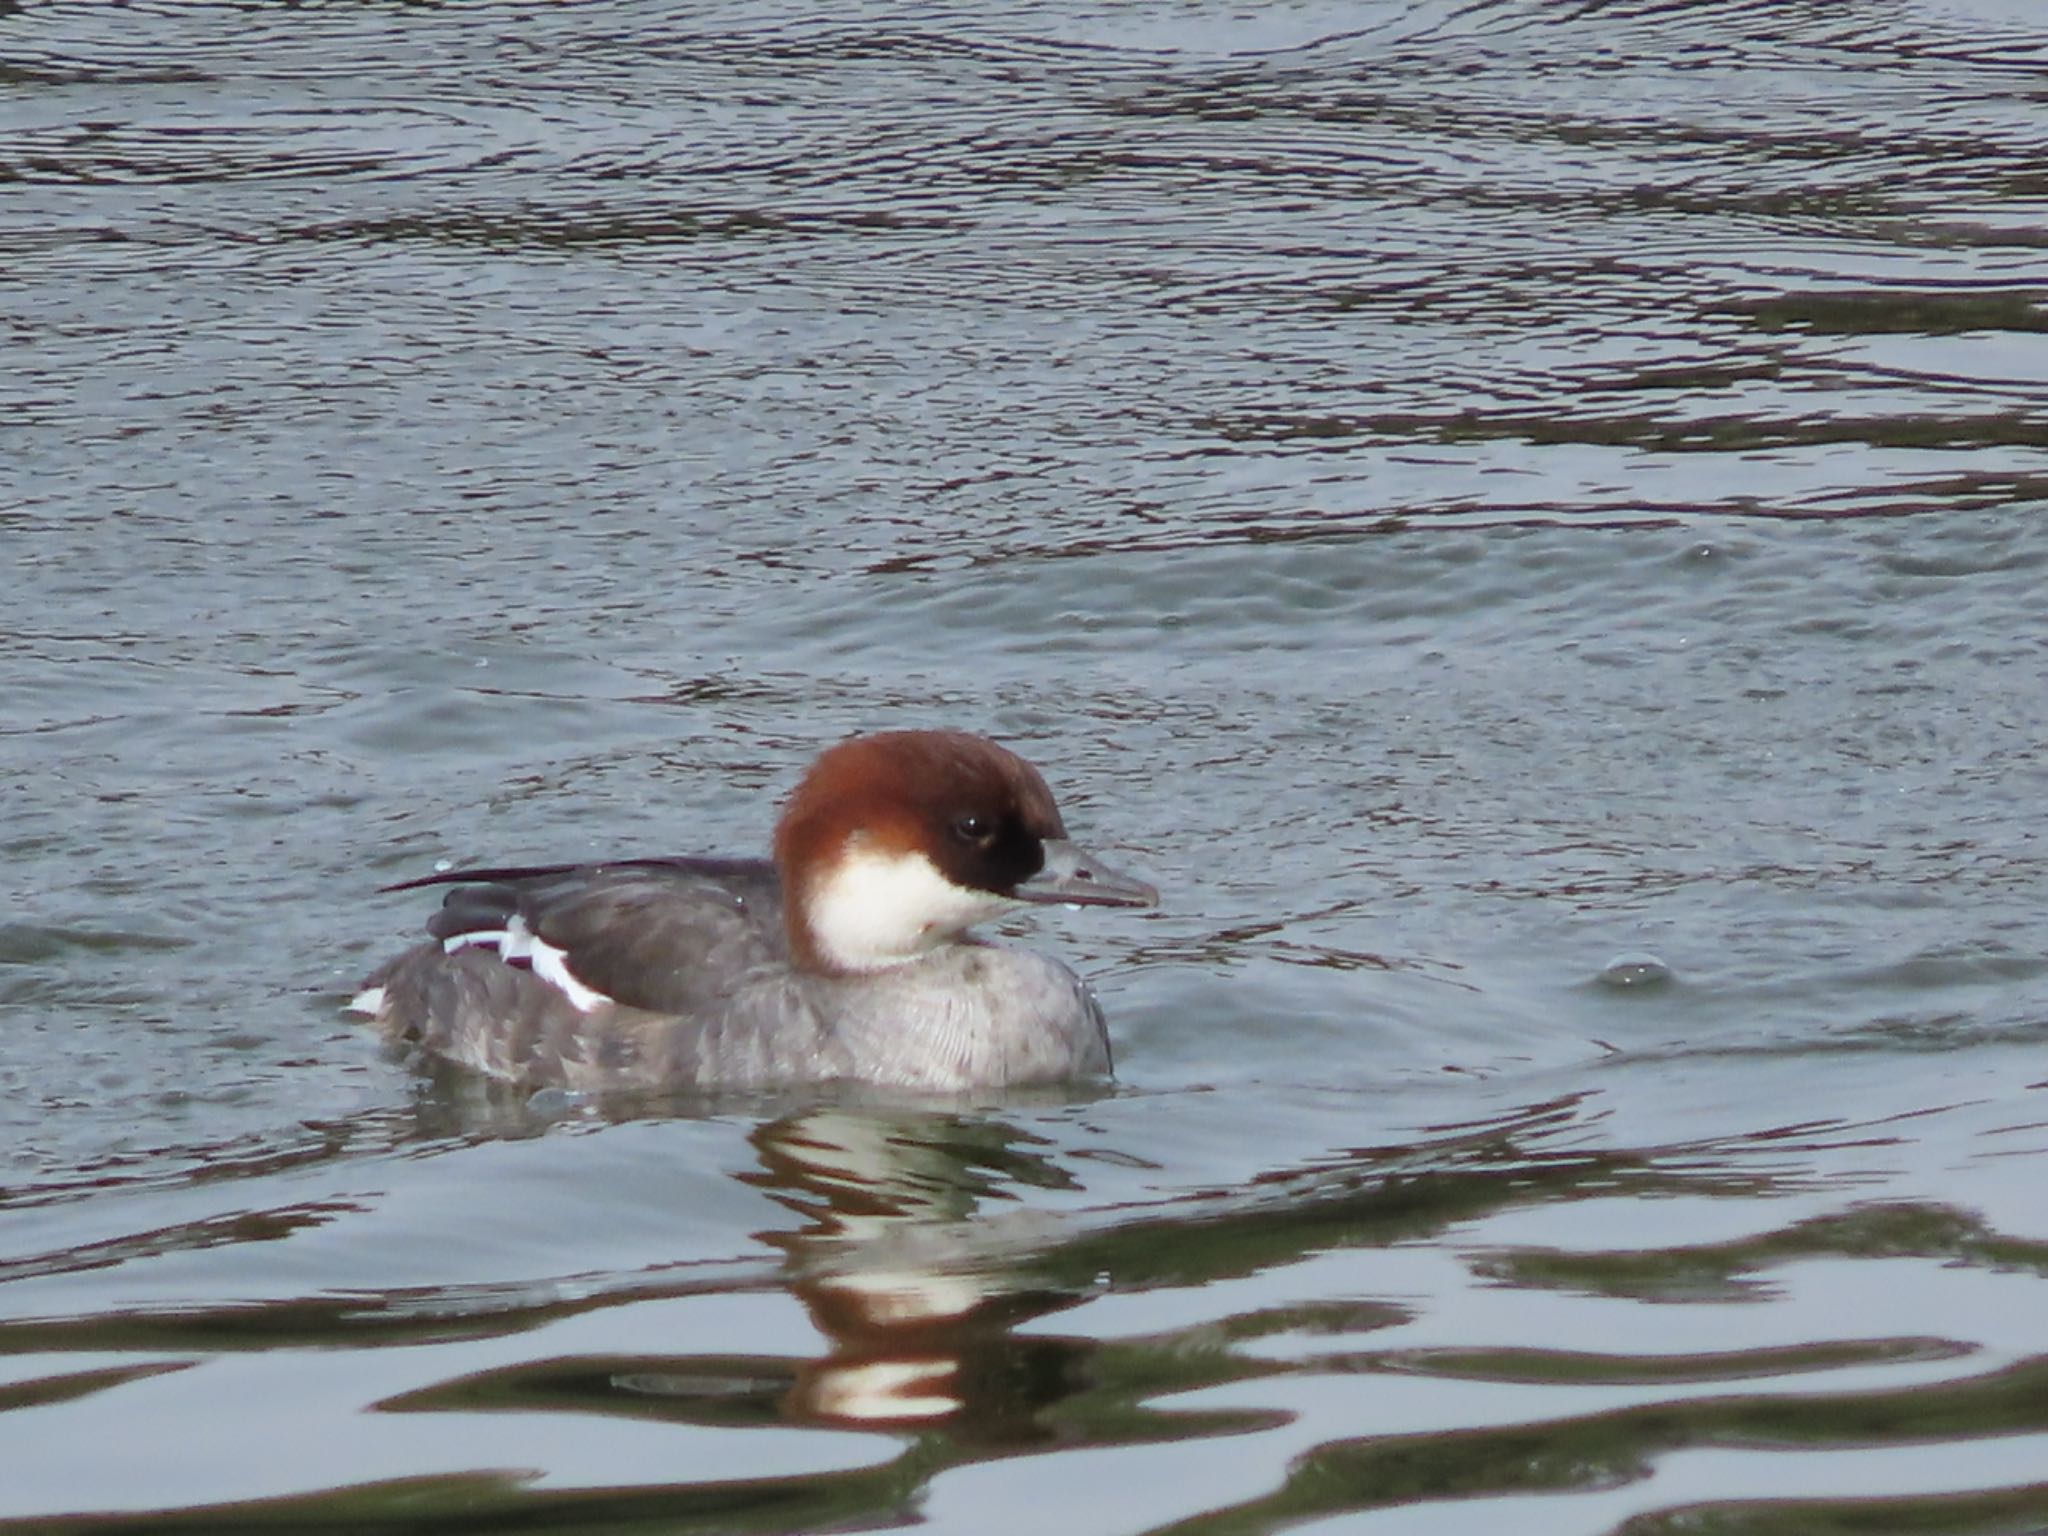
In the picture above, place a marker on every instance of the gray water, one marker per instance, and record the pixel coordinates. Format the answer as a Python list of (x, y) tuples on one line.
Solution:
[(1524, 519)]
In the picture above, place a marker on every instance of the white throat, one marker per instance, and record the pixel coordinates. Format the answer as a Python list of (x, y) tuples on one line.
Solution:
[(874, 909)]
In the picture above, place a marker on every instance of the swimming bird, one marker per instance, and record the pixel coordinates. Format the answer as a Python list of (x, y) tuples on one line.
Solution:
[(848, 956)]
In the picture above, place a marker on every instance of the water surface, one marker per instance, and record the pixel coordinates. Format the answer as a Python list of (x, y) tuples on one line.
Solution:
[(1523, 519)]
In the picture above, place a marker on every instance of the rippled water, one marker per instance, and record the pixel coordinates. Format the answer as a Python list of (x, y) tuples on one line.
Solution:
[(1523, 518)]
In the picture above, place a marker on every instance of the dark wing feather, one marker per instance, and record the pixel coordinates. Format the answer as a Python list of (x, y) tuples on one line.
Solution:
[(715, 869), (474, 909)]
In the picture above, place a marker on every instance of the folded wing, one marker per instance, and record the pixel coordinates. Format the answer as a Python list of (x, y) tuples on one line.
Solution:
[(663, 935)]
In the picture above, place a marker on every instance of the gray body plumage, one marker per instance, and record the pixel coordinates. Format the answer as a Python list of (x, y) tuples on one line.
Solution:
[(699, 990)]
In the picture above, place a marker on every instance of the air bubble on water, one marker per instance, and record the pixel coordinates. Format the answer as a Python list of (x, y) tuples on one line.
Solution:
[(554, 1103), (1635, 971)]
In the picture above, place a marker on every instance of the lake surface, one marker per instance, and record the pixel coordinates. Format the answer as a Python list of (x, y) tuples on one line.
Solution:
[(1524, 519)]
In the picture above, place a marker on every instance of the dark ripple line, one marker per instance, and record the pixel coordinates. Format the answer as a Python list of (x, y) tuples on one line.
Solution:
[(535, 227)]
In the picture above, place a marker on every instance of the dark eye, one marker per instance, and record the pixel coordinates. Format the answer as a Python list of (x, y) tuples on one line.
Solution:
[(972, 829)]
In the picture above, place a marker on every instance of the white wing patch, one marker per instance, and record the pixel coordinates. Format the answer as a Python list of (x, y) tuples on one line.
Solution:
[(515, 943), (551, 965), (370, 1001)]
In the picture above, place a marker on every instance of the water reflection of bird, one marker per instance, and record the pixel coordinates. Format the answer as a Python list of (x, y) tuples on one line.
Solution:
[(918, 1286)]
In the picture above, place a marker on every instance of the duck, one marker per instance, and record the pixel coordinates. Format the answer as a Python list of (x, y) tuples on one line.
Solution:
[(847, 956)]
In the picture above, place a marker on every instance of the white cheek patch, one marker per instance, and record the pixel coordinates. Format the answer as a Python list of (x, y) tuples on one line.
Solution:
[(876, 909), (517, 945)]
